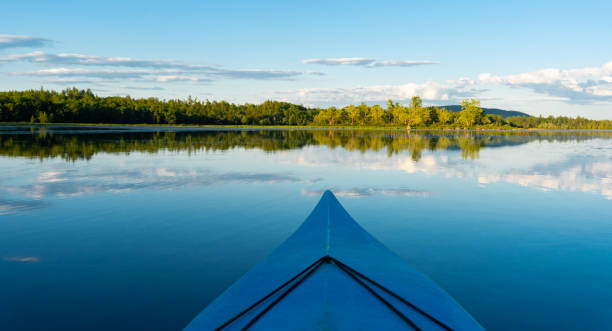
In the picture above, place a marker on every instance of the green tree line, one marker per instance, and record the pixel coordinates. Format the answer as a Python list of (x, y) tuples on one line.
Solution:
[(83, 106)]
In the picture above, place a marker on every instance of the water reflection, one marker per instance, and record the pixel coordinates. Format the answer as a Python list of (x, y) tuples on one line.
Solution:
[(360, 192), (72, 144), (553, 160), (71, 183), (550, 167), (16, 206), (164, 219), (26, 259)]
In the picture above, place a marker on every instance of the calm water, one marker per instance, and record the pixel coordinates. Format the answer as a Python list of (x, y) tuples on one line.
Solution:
[(132, 229)]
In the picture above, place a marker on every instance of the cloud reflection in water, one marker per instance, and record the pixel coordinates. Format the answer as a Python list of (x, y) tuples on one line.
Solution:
[(70, 183), (360, 192), (569, 169), (18, 206)]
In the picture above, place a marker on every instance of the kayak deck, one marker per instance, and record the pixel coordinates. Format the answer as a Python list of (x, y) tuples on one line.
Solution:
[(333, 275)]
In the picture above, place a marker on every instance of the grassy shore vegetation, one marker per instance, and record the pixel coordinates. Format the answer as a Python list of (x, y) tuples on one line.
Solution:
[(83, 106)]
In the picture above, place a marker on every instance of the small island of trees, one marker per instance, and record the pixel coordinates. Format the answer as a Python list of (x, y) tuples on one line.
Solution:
[(83, 106)]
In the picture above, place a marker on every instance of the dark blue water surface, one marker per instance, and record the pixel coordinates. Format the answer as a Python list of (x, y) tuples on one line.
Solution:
[(107, 228)]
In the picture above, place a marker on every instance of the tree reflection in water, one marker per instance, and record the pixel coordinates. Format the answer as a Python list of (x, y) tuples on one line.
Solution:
[(82, 143)]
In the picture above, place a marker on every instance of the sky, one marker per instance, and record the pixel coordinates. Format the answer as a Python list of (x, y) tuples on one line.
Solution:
[(539, 57)]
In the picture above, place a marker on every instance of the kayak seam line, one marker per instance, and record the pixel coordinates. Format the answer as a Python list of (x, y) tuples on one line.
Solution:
[(354, 274), (411, 305), (314, 264), (256, 318), (387, 303)]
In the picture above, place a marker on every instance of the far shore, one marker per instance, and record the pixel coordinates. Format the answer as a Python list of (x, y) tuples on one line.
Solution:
[(183, 127)]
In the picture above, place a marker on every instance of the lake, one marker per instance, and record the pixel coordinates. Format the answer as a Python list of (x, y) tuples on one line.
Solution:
[(128, 228)]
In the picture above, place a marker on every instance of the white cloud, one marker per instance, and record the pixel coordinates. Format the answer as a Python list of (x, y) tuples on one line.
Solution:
[(175, 78), (102, 73), (14, 41), (70, 81), (367, 62), (354, 61), (584, 85), (402, 63), (94, 60), (161, 75), (431, 91), (143, 88), (125, 67)]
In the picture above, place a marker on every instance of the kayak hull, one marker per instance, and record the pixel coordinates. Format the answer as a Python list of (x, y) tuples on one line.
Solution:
[(333, 275)]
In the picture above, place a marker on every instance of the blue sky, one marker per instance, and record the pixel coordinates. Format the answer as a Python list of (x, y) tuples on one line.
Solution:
[(538, 57)]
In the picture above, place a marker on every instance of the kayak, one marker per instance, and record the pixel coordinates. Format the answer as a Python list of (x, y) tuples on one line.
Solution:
[(331, 274)]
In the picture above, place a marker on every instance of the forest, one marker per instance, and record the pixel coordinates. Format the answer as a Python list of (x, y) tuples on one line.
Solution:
[(83, 106)]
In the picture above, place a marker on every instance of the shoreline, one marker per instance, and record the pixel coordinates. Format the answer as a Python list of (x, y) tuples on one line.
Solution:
[(182, 127)]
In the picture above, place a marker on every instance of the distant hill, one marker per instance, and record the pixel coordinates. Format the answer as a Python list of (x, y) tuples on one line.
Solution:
[(492, 111)]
